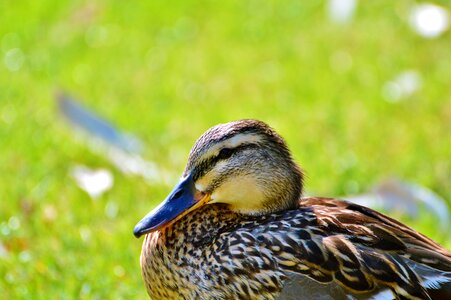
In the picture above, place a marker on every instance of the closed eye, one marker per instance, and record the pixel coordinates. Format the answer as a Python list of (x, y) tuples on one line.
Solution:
[(225, 153)]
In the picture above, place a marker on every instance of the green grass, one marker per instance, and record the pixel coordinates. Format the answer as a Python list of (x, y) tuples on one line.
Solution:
[(167, 72)]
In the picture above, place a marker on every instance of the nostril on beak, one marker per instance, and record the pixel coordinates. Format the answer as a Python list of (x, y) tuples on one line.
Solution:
[(178, 194)]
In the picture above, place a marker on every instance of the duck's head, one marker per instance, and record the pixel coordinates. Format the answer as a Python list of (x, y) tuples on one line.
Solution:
[(244, 164)]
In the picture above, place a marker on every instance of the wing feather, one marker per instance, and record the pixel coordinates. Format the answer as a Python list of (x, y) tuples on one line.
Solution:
[(341, 246)]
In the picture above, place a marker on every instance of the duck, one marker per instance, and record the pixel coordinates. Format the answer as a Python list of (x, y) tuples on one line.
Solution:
[(237, 226)]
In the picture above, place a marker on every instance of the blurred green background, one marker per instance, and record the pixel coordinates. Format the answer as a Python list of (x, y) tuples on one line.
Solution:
[(167, 71)]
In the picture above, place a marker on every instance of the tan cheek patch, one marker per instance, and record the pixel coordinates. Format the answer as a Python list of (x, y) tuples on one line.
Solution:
[(242, 193)]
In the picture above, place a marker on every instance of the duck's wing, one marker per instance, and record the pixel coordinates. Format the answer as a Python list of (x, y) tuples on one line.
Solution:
[(342, 244), (371, 228)]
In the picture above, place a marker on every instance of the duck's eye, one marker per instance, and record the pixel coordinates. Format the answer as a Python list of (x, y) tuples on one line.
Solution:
[(225, 153)]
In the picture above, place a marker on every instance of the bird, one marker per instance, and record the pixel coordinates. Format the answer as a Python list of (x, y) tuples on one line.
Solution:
[(237, 226)]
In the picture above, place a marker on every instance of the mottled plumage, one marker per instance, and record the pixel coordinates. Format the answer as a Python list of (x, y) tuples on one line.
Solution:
[(287, 247)]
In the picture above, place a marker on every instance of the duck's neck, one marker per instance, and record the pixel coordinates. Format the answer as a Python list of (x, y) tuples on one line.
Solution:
[(201, 226), (174, 253)]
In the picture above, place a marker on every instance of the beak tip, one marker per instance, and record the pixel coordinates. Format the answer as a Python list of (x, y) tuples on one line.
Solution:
[(138, 232)]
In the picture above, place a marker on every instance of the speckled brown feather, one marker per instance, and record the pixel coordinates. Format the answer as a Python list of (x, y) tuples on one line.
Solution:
[(214, 253)]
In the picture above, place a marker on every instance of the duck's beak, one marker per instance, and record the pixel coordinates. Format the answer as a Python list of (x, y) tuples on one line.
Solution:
[(183, 199)]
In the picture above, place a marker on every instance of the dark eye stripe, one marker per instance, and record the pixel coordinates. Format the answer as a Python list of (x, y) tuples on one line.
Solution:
[(205, 166), (228, 152)]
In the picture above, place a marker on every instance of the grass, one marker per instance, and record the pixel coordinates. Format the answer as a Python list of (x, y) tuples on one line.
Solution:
[(167, 72)]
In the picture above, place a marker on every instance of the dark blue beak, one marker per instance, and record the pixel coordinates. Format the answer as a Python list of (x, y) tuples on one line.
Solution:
[(183, 199)]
